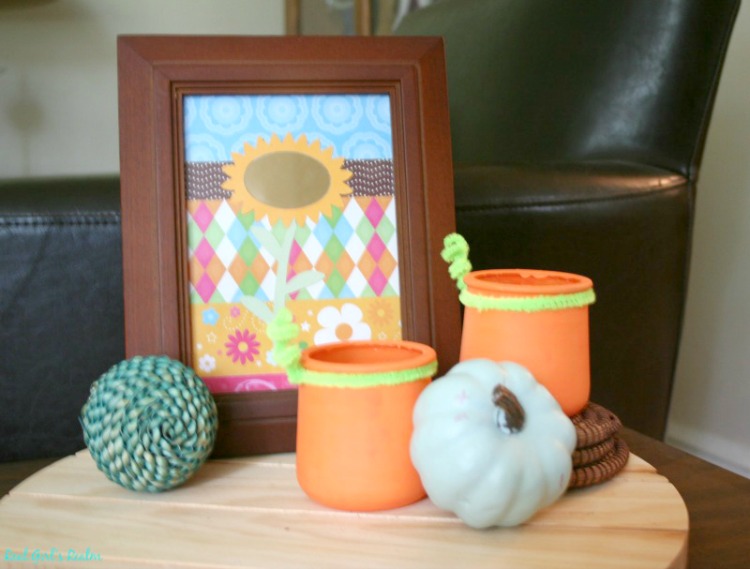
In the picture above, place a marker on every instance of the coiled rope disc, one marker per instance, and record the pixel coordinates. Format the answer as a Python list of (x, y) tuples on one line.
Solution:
[(149, 423)]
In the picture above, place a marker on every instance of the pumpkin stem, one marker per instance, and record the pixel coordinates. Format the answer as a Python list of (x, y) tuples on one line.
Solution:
[(510, 414)]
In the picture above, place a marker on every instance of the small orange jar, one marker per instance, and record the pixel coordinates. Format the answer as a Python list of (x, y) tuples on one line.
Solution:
[(354, 423), (536, 318)]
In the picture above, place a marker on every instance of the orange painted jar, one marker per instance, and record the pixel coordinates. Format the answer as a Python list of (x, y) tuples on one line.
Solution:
[(536, 318), (354, 422)]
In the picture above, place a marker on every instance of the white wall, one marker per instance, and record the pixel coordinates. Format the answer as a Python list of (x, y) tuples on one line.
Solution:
[(58, 115), (58, 72), (710, 413)]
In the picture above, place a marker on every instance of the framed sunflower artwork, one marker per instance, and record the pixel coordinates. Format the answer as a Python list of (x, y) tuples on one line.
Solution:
[(312, 174)]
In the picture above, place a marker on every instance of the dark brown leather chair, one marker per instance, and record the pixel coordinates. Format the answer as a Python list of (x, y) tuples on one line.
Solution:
[(578, 128)]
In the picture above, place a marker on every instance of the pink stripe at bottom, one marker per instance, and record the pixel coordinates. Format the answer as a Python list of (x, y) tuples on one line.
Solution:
[(244, 383)]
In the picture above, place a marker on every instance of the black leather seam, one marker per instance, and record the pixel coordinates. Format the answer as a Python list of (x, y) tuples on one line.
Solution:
[(38, 221), (566, 203)]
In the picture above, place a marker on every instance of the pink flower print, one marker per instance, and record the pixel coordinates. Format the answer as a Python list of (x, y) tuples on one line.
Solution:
[(242, 346), (234, 312)]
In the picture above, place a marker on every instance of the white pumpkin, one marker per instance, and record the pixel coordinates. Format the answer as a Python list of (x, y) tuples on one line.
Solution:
[(488, 459)]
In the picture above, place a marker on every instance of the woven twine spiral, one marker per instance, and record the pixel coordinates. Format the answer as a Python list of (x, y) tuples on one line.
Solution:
[(602, 470), (594, 425), (594, 453), (600, 454), (149, 423)]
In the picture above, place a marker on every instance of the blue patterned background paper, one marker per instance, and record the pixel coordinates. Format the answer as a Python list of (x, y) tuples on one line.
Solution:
[(356, 126)]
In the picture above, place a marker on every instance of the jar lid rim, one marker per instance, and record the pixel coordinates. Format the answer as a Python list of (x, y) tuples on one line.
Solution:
[(526, 282)]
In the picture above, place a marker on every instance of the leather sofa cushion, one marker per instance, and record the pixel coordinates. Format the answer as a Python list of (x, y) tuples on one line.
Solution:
[(61, 309)]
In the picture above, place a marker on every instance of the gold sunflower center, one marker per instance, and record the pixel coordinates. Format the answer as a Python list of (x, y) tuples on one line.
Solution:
[(287, 179)]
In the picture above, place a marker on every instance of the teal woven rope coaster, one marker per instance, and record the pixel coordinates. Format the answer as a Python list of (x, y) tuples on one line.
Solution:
[(149, 423)]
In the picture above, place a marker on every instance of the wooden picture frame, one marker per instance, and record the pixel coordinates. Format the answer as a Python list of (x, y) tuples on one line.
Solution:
[(158, 73)]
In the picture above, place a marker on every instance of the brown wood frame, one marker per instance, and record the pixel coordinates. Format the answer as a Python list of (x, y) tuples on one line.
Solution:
[(156, 71)]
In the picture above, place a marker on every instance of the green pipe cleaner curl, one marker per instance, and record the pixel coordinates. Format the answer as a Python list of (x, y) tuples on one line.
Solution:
[(283, 332), (456, 252)]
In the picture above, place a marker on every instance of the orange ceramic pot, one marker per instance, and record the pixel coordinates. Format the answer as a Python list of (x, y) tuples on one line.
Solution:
[(538, 319), (354, 427)]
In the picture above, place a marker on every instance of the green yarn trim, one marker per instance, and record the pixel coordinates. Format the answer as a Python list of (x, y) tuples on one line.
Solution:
[(362, 380), (528, 303)]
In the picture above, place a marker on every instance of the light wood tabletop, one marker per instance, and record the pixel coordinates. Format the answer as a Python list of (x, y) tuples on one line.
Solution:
[(250, 512)]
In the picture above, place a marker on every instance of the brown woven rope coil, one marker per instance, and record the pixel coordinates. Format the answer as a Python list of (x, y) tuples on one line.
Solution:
[(595, 453), (594, 425), (603, 470)]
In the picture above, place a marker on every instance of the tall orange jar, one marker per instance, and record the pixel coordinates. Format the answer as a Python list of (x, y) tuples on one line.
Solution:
[(539, 319), (354, 427)]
